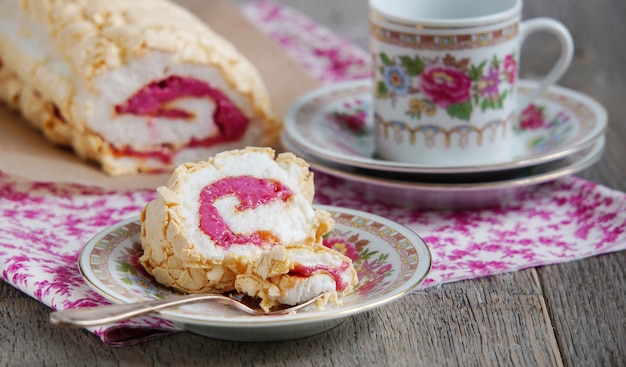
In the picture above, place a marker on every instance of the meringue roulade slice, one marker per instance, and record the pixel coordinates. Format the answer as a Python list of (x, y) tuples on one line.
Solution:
[(217, 217), (136, 86)]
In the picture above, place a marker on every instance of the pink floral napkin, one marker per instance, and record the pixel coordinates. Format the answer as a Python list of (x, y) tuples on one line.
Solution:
[(44, 226)]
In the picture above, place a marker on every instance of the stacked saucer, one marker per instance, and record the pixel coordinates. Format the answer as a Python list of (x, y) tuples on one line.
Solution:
[(332, 129)]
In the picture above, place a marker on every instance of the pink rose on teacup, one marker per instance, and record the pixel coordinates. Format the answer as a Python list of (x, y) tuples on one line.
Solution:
[(510, 68), (445, 85)]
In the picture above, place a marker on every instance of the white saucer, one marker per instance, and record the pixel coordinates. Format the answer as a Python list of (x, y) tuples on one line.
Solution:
[(453, 193), (316, 124), (108, 263)]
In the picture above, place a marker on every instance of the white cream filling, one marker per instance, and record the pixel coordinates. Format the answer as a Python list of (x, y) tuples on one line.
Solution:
[(142, 132), (307, 289)]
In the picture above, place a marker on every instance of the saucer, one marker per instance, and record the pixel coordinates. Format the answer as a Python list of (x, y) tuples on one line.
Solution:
[(452, 193), (402, 260), (333, 124)]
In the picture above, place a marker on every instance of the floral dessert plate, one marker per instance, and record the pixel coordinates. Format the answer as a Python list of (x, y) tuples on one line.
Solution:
[(333, 123), (390, 259)]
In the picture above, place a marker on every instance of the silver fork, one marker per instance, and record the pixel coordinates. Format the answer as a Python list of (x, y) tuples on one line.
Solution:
[(100, 315)]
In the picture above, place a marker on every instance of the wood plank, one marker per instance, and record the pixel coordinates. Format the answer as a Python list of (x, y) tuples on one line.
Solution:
[(586, 300), (493, 321)]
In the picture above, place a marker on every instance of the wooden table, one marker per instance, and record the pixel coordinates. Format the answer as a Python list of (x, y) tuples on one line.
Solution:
[(572, 314)]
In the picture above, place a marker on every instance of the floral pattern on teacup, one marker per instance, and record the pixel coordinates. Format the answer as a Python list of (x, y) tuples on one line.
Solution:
[(466, 134), (454, 85)]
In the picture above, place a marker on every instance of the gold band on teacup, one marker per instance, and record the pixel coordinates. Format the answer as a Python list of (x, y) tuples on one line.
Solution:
[(439, 40)]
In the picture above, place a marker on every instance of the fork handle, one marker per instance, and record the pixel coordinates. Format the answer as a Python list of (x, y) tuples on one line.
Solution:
[(100, 315)]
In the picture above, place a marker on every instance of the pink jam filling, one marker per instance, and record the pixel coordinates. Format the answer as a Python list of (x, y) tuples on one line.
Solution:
[(307, 271), (154, 99), (251, 192)]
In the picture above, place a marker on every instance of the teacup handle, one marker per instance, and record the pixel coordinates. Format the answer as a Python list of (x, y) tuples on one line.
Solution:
[(567, 52)]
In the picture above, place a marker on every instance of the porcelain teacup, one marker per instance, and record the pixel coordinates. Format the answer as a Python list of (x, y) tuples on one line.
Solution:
[(445, 76)]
